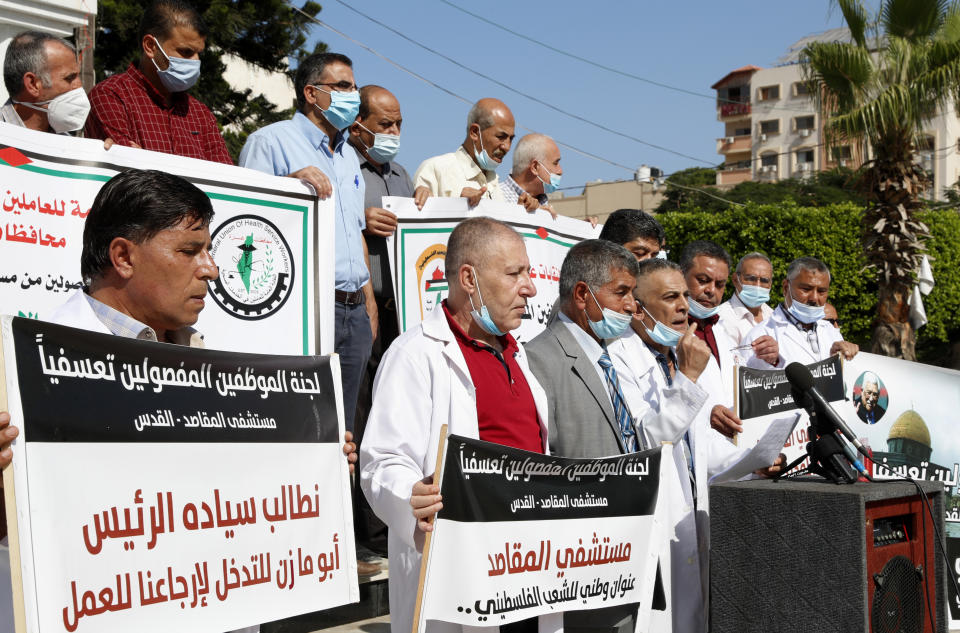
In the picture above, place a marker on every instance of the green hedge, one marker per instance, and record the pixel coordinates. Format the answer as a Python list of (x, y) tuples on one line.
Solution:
[(786, 231)]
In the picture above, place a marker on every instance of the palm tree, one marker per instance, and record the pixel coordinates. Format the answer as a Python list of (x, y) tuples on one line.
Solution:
[(880, 89)]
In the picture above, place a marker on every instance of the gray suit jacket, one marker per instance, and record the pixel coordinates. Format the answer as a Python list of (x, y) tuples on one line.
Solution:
[(582, 423)]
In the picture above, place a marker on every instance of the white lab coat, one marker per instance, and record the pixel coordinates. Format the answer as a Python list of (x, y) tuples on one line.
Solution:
[(737, 320), (712, 454), (423, 383), (792, 341)]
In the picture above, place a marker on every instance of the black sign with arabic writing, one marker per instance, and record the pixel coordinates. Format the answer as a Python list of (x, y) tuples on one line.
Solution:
[(483, 481), (765, 391), (81, 386)]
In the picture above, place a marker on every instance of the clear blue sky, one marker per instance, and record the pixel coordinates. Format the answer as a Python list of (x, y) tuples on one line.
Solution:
[(689, 45)]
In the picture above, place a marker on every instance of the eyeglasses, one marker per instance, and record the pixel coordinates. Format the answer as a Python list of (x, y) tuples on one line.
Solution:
[(753, 279), (340, 86)]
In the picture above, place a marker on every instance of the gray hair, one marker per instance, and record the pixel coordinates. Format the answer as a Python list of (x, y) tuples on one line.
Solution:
[(27, 53), (480, 115), (649, 266), (749, 256), (593, 262), (529, 148), (808, 264), (872, 378), (470, 242)]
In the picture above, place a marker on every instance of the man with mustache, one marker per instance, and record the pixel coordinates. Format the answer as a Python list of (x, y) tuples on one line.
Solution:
[(471, 171)]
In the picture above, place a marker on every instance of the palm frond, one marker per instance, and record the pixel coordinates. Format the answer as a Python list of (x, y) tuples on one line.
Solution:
[(913, 20), (839, 72), (857, 19)]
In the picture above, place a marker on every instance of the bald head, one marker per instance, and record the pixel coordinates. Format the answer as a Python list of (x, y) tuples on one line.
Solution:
[(475, 240), (490, 129), (376, 97)]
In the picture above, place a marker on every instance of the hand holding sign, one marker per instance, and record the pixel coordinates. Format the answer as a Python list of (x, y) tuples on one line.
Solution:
[(426, 501)]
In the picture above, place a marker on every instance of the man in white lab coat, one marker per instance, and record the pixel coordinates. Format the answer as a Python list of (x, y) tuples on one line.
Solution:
[(752, 280), (672, 374), (460, 367), (798, 324), (145, 263), (706, 267)]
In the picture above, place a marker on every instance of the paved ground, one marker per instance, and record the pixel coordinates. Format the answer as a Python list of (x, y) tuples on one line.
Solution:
[(374, 625)]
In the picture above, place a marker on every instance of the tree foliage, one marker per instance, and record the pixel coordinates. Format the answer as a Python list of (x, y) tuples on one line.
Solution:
[(820, 189), (264, 33), (785, 231), (902, 67)]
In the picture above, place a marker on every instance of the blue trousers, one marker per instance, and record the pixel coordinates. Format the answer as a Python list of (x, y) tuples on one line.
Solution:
[(352, 341)]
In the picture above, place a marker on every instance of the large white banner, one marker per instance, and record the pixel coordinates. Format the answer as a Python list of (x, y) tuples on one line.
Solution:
[(907, 413), (272, 239), (418, 248), (163, 488)]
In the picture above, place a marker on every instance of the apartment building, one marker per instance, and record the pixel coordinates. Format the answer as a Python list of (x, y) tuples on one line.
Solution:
[(772, 130)]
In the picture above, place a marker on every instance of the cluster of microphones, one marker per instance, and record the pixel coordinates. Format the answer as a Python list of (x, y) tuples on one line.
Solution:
[(829, 449)]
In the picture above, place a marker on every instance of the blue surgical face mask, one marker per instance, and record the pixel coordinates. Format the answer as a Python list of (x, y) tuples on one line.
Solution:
[(343, 109), (482, 316), (754, 296), (385, 146), (483, 158), (662, 334), (701, 311), (613, 323), (802, 312), (553, 185), (180, 75)]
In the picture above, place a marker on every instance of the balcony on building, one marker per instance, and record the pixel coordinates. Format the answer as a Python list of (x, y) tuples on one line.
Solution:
[(733, 94), (735, 170)]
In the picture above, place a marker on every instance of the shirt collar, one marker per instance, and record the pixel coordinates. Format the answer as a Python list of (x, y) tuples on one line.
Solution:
[(317, 137), (470, 165), (508, 343), (383, 170), (151, 90), (121, 324), (793, 321), (510, 182), (589, 344)]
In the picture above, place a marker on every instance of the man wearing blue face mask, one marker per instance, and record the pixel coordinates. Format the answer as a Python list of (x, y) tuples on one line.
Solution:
[(471, 171), (312, 146), (673, 372), (536, 172), (590, 413), (147, 105), (798, 324), (706, 266), (458, 367), (752, 280)]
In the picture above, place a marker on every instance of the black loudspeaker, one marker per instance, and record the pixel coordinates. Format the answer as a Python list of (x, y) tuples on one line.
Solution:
[(808, 556)]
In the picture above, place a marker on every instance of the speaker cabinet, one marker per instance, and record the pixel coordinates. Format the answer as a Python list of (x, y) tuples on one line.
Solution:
[(810, 556)]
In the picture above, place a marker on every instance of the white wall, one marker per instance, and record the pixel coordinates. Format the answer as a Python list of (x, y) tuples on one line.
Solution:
[(59, 17)]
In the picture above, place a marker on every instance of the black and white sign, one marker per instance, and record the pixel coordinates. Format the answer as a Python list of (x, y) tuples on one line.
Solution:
[(163, 488), (545, 535)]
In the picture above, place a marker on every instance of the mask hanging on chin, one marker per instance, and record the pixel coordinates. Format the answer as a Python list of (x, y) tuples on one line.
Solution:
[(482, 316), (483, 159), (701, 311), (662, 334)]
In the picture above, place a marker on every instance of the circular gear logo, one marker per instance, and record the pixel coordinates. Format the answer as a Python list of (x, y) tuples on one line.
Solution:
[(256, 267)]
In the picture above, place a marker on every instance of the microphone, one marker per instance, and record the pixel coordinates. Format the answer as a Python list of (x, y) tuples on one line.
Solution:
[(801, 379)]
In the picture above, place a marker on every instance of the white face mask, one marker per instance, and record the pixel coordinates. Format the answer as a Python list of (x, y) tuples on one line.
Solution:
[(66, 112)]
